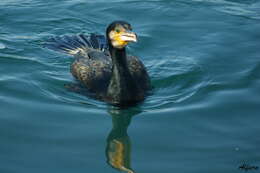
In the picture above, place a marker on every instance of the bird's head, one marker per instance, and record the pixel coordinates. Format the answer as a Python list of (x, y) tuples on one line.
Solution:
[(119, 34)]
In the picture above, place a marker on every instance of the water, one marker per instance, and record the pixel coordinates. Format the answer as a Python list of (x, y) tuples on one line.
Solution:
[(203, 116)]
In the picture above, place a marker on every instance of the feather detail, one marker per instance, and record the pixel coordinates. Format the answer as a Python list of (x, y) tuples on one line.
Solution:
[(75, 43)]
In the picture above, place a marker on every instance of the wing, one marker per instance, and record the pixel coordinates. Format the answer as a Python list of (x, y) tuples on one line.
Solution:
[(94, 72), (77, 43), (138, 71), (92, 65)]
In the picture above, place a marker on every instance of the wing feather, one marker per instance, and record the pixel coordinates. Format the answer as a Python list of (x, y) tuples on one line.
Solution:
[(72, 44)]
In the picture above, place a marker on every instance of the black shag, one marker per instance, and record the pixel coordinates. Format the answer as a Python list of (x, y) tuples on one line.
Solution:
[(102, 65)]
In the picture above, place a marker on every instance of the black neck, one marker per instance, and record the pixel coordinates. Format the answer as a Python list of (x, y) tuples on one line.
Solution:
[(119, 58), (122, 88)]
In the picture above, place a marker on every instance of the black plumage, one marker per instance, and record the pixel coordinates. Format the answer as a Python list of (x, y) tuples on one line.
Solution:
[(102, 65)]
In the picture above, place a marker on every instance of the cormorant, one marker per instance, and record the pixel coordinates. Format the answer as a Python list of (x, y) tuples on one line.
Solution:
[(102, 65)]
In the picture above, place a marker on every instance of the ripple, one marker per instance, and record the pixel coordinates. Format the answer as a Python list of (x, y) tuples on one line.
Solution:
[(175, 80), (56, 90), (250, 11), (254, 73), (14, 2), (245, 9), (20, 59), (2, 46)]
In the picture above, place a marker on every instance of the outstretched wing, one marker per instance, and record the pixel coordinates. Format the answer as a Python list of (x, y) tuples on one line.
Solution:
[(75, 43), (92, 65)]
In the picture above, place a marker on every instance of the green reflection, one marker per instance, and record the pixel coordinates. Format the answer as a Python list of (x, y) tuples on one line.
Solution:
[(118, 149)]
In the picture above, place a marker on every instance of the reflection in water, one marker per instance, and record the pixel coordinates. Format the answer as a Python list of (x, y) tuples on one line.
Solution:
[(118, 150)]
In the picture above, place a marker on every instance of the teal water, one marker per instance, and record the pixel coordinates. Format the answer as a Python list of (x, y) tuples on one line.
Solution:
[(203, 57)]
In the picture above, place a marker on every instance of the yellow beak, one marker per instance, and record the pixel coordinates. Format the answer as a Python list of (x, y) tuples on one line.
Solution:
[(128, 36)]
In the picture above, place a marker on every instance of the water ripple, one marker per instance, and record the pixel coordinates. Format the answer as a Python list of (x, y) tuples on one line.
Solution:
[(2, 46), (175, 80), (249, 9)]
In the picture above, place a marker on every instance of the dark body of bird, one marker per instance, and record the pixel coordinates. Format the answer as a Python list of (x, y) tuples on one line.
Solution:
[(106, 71)]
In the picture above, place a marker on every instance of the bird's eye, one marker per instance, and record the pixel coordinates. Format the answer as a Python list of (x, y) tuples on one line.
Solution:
[(117, 30)]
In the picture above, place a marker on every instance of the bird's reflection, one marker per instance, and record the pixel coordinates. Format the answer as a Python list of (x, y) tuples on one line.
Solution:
[(118, 149)]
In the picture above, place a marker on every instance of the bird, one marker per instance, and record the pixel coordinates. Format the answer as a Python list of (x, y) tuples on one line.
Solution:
[(102, 66)]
